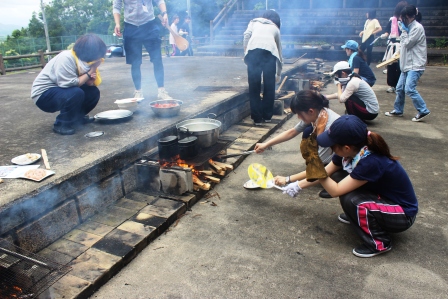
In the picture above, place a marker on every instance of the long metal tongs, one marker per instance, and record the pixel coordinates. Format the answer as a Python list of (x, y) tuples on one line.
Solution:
[(245, 153)]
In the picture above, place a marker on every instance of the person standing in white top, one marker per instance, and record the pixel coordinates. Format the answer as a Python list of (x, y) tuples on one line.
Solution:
[(263, 57), (371, 27), (176, 51)]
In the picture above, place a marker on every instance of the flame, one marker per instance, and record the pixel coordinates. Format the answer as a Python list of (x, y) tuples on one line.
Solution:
[(178, 162)]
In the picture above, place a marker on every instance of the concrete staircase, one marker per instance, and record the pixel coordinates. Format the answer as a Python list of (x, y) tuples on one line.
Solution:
[(332, 26)]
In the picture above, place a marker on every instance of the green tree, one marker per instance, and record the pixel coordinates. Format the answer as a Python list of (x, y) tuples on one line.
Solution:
[(36, 26)]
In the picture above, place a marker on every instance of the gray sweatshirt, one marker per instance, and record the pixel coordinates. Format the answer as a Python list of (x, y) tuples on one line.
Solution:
[(61, 71), (134, 12), (363, 91), (413, 48), (264, 34)]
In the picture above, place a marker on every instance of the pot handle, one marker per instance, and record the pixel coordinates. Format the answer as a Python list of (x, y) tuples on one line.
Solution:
[(184, 130), (213, 114)]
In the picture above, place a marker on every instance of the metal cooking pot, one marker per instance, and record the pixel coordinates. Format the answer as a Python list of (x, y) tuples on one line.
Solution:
[(188, 147), (205, 129), (168, 147)]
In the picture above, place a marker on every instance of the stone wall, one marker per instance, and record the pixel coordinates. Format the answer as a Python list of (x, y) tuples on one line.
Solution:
[(37, 220)]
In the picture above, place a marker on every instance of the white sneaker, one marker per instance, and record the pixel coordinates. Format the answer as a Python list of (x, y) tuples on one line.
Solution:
[(138, 94), (390, 90), (385, 72), (163, 95)]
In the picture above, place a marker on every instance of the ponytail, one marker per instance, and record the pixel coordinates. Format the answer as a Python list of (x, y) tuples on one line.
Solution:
[(361, 54), (376, 144), (411, 11)]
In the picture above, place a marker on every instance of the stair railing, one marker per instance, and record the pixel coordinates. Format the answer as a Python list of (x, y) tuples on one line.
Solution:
[(222, 15)]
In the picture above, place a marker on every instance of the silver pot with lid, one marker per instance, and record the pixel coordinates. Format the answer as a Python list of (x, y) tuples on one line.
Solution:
[(205, 129)]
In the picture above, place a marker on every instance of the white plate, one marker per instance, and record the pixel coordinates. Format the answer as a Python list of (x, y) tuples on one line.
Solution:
[(26, 159), (129, 100), (250, 185), (113, 114), (40, 174)]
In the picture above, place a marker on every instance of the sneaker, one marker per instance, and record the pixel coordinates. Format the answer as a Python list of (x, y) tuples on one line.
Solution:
[(420, 116), (343, 218), (258, 123), (364, 251), (138, 94), (390, 90), (384, 71), (163, 95), (393, 113), (63, 129), (267, 120)]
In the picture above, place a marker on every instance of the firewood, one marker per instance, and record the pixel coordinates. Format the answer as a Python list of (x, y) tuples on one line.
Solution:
[(224, 165), (220, 173), (201, 184), (215, 166), (206, 172), (212, 178)]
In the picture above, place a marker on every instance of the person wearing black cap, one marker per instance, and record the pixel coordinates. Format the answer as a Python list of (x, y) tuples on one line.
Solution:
[(374, 190)]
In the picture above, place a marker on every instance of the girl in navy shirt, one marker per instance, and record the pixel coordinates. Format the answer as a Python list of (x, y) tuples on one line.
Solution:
[(375, 191)]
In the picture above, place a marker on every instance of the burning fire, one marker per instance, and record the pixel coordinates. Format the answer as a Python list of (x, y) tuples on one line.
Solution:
[(177, 161)]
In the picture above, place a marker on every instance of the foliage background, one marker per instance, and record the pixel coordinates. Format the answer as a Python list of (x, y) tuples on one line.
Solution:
[(69, 19)]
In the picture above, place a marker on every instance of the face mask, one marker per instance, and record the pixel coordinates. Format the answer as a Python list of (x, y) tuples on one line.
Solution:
[(343, 81)]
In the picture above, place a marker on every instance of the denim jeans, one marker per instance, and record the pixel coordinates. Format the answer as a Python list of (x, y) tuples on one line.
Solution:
[(73, 102), (407, 86), (147, 35)]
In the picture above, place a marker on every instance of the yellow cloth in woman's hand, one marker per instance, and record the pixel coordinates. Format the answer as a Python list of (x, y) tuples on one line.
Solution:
[(98, 79)]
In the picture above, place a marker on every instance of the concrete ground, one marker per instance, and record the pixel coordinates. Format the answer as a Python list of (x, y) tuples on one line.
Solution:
[(263, 244)]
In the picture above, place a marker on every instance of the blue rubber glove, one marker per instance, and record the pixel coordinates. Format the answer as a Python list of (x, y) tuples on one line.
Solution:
[(292, 189), (403, 26)]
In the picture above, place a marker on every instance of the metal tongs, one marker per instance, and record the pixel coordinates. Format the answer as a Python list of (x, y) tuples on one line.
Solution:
[(245, 153)]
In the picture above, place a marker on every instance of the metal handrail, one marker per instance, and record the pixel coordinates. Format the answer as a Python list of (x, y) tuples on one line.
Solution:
[(221, 16)]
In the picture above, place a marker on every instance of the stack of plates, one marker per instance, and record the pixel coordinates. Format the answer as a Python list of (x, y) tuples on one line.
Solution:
[(113, 115)]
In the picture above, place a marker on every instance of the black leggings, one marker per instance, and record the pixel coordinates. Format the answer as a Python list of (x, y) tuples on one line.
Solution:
[(366, 45), (357, 107)]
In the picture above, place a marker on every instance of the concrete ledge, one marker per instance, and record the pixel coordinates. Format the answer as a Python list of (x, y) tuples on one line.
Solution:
[(98, 248)]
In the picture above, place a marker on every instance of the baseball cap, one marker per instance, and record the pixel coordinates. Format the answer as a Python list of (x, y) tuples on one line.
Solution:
[(351, 44), (346, 130), (341, 65)]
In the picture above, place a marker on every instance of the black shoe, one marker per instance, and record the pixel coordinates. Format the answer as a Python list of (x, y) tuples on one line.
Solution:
[(364, 251), (420, 116), (63, 129), (87, 120), (343, 218), (324, 194)]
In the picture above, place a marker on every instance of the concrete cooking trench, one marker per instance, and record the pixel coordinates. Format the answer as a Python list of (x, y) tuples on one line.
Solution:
[(33, 215)]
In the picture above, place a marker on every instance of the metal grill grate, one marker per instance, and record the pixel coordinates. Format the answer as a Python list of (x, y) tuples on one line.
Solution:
[(24, 274), (203, 156)]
